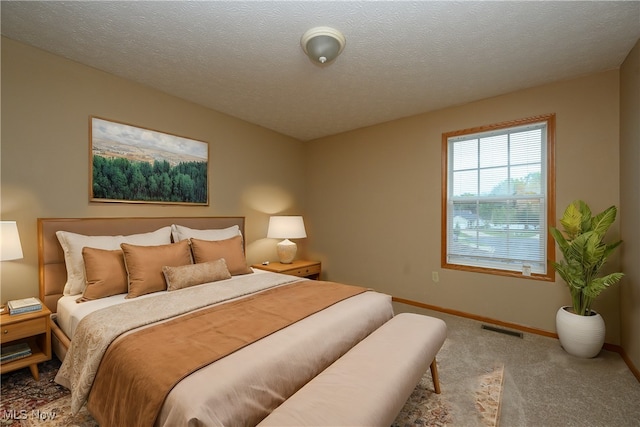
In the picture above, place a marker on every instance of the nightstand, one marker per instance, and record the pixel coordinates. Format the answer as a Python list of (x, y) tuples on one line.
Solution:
[(32, 328), (300, 268)]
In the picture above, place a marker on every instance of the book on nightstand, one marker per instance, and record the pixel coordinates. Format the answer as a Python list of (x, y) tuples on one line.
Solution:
[(15, 351), (25, 305)]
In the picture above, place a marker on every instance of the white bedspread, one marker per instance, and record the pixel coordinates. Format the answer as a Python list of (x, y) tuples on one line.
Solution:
[(244, 387)]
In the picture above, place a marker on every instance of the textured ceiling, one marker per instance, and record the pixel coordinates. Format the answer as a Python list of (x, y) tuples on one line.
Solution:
[(401, 58)]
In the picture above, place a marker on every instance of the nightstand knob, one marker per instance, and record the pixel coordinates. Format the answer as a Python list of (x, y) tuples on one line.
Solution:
[(6, 331)]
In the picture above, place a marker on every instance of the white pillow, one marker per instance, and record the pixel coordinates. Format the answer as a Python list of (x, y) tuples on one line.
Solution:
[(73, 243), (180, 232)]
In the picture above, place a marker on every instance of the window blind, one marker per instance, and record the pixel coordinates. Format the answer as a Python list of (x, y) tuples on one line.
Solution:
[(497, 201)]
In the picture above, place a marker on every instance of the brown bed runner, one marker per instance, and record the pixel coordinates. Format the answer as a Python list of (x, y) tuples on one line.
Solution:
[(139, 370)]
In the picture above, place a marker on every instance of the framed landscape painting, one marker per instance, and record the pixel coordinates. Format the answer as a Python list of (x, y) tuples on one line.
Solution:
[(136, 165)]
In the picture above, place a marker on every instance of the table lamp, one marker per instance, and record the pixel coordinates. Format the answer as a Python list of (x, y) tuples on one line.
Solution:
[(10, 248), (286, 227)]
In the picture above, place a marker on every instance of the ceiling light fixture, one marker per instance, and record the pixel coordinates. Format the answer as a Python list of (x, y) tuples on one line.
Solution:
[(322, 44)]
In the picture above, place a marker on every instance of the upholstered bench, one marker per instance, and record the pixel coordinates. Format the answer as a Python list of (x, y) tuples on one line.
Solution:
[(370, 384)]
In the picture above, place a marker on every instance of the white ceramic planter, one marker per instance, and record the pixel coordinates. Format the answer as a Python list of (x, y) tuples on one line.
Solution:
[(581, 336)]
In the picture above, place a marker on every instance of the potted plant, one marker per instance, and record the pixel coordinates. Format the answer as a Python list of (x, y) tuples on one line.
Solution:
[(581, 330)]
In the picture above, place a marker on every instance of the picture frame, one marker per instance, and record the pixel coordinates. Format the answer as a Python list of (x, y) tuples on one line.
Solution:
[(131, 164)]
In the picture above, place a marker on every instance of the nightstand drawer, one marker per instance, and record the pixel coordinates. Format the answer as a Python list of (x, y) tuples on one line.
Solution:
[(305, 271), (23, 329)]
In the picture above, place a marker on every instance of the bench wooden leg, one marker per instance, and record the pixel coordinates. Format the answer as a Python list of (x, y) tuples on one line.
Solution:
[(434, 376)]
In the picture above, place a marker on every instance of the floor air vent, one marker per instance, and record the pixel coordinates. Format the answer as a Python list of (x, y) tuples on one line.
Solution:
[(502, 331)]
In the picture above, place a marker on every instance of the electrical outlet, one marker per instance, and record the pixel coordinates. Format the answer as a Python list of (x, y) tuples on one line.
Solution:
[(435, 276)]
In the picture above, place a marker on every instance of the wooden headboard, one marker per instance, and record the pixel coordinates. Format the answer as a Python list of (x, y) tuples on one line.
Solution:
[(51, 267)]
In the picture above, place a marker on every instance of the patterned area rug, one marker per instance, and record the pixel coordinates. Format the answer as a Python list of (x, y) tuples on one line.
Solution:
[(25, 402), (426, 408)]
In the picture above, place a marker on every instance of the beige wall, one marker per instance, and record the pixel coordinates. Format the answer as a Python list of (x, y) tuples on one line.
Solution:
[(371, 197), (630, 203), (374, 200), (46, 104)]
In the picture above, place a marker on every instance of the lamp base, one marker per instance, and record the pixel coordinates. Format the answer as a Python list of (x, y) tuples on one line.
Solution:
[(286, 251)]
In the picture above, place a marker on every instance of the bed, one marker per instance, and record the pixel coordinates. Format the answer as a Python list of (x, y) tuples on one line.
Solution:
[(266, 358)]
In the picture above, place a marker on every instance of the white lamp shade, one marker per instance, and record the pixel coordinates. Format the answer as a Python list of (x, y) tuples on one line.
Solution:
[(286, 227), (11, 248)]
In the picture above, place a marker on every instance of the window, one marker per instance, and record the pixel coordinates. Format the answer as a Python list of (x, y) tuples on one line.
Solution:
[(499, 198)]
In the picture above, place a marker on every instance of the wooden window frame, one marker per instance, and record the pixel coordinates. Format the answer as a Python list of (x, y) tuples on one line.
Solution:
[(550, 197)]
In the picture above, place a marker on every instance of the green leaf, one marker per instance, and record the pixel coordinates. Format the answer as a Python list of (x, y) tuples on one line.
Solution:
[(601, 222), (572, 220)]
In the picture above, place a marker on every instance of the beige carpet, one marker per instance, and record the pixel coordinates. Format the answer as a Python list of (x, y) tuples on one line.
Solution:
[(423, 408)]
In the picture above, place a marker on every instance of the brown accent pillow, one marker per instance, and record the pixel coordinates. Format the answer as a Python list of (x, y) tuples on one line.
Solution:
[(106, 273), (195, 274), (144, 265), (229, 249)]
